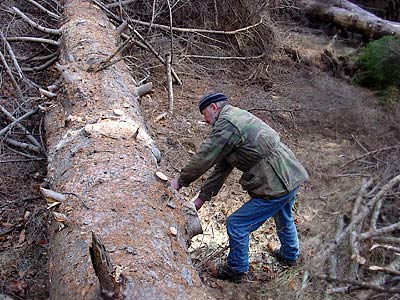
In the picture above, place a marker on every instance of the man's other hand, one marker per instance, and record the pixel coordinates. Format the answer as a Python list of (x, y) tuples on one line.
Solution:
[(175, 184), (198, 203)]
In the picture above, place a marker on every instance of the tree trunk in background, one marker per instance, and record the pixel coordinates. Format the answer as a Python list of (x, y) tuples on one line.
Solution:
[(349, 16), (100, 150)]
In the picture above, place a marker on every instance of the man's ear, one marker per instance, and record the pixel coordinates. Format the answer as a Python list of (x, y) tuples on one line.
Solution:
[(214, 107)]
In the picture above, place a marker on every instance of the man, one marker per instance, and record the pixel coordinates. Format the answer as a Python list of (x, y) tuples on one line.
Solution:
[(271, 176)]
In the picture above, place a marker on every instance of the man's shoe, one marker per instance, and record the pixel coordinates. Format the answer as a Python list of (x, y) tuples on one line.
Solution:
[(224, 272), (286, 262)]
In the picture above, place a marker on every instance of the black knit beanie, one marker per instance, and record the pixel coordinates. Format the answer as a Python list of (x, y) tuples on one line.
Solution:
[(211, 98)]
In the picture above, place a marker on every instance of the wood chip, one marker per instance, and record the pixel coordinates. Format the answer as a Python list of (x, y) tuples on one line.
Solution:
[(161, 176), (173, 230)]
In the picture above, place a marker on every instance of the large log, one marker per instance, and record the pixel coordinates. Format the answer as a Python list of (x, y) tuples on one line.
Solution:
[(100, 151), (351, 17)]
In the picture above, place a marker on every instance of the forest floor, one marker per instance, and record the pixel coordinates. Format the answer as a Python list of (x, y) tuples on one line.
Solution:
[(323, 119)]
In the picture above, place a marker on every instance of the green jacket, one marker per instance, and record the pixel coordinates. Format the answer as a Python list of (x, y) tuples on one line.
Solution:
[(240, 139)]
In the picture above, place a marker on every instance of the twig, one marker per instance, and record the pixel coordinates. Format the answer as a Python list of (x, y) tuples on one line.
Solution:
[(118, 3), (169, 84), (18, 201), (368, 154), (37, 58), (22, 145), (387, 239), (363, 213), (20, 160), (381, 279), (224, 57), (32, 40), (356, 259), (103, 64), (77, 196), (214, 254), (141, 38), (9, 73), (383, 269), (16, 121), (388, 247), (361, 283), (12, 55), (383, 230), (22, 127), (34, 24), (51, 14), (41, 67), (197, 30)]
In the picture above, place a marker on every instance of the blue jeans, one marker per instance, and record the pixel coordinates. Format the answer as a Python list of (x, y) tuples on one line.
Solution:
[(250, 217)]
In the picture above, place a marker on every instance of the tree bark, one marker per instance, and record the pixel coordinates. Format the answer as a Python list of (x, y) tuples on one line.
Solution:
[(100, 151), (351, 17)]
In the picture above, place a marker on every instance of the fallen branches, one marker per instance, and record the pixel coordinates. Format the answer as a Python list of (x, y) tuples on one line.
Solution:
[(367, 213), (35, 25), (32, 40), (51, 14), (197, 30), (366, 285), (16, 121)]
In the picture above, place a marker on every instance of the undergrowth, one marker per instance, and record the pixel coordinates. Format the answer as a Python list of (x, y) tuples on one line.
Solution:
[(379, 63)]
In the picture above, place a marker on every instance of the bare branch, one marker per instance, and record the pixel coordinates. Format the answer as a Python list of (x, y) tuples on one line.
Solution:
[(8, 70), (368, 154), (35, 25), (225, 57), (51, 14), (22, 145), (363, 213), (141, 38), (197, 30), (12, 55), (362, 284), (32, 40), (30, 137), (16, 121), (118, 3), (41, 67), (383, 230), (168, 59)]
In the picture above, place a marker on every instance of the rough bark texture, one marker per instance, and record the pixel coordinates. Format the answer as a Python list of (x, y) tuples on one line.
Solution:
[(100, 150), (349, 16)]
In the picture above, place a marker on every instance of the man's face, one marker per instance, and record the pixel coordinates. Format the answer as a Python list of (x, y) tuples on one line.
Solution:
[(210, 114)]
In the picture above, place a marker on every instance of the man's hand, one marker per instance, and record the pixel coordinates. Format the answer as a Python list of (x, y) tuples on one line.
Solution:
[(175, 184), (198, 203)]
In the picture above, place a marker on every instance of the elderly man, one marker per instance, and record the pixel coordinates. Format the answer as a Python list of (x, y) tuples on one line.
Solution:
[(271, 176)]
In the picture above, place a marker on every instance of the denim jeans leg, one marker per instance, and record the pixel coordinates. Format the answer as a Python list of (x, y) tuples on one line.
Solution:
[(287, 233), (245, 220)]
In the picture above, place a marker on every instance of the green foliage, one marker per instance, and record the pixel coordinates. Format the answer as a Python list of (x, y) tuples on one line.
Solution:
[(390, 95), (379, 64)]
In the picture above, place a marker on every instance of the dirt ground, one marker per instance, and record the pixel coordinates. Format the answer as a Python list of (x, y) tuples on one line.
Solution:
[(323, 119)]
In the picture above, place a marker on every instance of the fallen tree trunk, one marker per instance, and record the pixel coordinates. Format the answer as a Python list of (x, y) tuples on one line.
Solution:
[(101, 155), (351, 17)]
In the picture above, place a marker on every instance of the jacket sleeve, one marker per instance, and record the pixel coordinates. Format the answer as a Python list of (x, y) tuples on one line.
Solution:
[(222, 140), (217, 178)]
